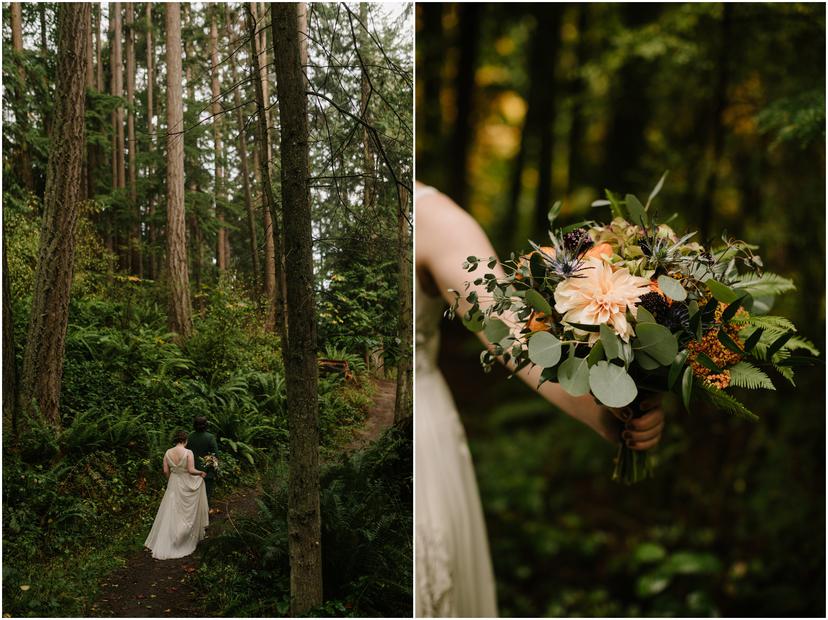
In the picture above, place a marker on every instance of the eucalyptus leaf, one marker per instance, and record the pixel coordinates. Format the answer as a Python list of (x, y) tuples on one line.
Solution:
[(596, 354), (496, 330), (537, 301), (610, 341), (473, 320), (573, 375), (544, 349), (720, 291), (612, 385), (672, 288), (642, 315), (656, 341)]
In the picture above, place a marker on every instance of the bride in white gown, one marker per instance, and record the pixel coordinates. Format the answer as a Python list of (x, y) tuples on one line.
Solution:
[(183, 514), (454, 574)]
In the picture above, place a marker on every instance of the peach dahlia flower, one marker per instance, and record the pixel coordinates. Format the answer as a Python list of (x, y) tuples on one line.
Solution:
[(601, 295)]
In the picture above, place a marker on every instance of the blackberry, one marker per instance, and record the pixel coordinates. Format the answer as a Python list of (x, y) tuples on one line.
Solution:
[(656, 305), (577, 239)]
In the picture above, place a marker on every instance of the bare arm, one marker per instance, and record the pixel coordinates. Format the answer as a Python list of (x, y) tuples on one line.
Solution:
[(191, 465), (446, 236), (166, 465)]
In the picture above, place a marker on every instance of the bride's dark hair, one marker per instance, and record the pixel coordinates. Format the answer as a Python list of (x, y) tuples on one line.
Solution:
[(180, 437)]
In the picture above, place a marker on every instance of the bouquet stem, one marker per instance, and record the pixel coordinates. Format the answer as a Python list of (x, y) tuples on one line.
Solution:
[(632, 466)]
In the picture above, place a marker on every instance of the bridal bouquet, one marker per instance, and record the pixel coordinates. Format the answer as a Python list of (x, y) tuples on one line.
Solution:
[(619, 309), (210, 461)]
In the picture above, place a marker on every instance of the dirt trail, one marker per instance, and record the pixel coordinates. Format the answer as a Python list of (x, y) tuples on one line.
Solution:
[(147, 588), (379, 417)]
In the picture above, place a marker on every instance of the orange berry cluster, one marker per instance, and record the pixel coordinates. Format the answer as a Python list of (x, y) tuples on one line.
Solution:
[(711, 346)]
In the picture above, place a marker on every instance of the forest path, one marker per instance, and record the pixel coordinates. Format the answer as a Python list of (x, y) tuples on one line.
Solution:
[(379, 417), (148, 588)]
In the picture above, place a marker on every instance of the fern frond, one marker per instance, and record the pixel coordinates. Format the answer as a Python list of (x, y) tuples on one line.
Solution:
[(747, 375), (800, 343), (725, 402), (766, 284), (765, 321)]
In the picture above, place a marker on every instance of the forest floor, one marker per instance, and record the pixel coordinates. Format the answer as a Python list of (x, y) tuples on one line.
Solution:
[(147, 588)]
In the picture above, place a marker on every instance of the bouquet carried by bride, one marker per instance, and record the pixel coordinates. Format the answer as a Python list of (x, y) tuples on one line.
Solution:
[(616, 310)]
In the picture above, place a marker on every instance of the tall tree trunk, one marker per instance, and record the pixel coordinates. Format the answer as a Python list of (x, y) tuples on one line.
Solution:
[(137, 265), (119, 148), (152, 263), (99, 79), (431, 69), (245, 172), (469, 27), (368, 190), (268, 200), (271, 276), (43, 357), (10, 392), (304, 524), (24, 160), (577, 88), (549, 24), (403, 403), (215, 90), (178, 281), (88, 174)]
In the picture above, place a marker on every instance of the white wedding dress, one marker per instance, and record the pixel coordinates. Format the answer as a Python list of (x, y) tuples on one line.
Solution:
[(182, 516), (454, 574)]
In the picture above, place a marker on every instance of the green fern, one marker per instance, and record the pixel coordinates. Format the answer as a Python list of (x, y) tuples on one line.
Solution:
[(766, 284), (768, 322), (725, 402), (749, 376)]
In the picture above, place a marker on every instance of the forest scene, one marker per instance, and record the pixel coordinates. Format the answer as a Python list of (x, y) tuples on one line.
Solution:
[(519, 106), (207, 212)]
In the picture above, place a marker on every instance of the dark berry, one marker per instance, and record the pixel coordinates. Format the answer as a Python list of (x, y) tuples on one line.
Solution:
[(656, 305), (577, 240)]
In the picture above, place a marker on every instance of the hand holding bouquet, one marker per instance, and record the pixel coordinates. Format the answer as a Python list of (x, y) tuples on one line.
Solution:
[(211, 462), (622, 309)]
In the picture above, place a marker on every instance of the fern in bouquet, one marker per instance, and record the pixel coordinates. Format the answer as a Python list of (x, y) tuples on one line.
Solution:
[(621, 309)]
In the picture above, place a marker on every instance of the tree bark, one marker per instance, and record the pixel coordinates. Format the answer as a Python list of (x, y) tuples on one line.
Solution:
[(135, 215), (304, 524), (469, 27), (403, 404), (215, 91), (276, 300), (10, 393), (118, 148), (368, 191), (270, 275), (178, 281), (152, 263), (99, 79), (43, 358), (24, 161), (549, 26), (245, 172)]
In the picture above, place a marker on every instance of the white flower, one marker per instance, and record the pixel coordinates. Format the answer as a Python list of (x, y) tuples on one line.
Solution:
[(601, 295)]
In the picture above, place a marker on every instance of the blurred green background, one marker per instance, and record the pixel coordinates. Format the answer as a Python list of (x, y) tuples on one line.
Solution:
[(521, 105)]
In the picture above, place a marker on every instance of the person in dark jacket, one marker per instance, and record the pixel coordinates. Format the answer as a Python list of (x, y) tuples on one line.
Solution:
[(203, 443)]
